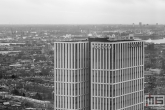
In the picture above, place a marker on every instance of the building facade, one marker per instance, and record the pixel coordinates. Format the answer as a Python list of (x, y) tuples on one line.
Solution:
[(117, 75), (99, 75), (71, 76)]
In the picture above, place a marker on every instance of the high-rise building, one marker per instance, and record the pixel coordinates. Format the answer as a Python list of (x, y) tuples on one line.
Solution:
[(133, 25), (117, 75), (140, 23), (71, 76), (99, 74)]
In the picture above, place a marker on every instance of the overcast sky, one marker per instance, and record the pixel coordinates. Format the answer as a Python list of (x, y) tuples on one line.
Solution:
[(82, 11)]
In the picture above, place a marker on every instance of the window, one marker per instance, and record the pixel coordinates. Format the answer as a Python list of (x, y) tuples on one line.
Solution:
[(93, 76)]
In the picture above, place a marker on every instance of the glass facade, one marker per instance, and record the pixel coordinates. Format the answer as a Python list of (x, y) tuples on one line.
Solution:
[(71, 76), (99, 75), (117, 79)]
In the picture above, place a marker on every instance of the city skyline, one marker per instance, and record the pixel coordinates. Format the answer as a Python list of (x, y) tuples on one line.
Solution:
[(82, 11)]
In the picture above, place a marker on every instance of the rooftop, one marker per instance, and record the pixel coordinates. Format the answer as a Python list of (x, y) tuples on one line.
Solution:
[(90, 39), (108, 40)]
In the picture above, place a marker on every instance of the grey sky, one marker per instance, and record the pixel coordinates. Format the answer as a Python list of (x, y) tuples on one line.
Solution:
[(82, 11)]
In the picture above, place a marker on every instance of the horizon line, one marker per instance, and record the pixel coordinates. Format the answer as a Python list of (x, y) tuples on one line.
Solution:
[(87, 24)]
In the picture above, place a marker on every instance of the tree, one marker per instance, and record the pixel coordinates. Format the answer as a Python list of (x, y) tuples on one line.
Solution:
[(27, 104), (23, 94), (15, 92), (147, 65), (163, 64), (51, 52), (13, 76), (50, 96), (45, 71), (38, 96), (1, 76), (152, 83)]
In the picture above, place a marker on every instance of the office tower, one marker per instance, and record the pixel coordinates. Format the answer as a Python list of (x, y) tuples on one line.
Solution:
[(133, 25), (117, 75), (71, 75), (140, 23), (99, 74)]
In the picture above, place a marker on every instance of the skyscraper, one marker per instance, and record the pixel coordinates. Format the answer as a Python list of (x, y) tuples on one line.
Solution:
[(117, 75), (100, 74), (133, 25), (140, 23), (71, 76)]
